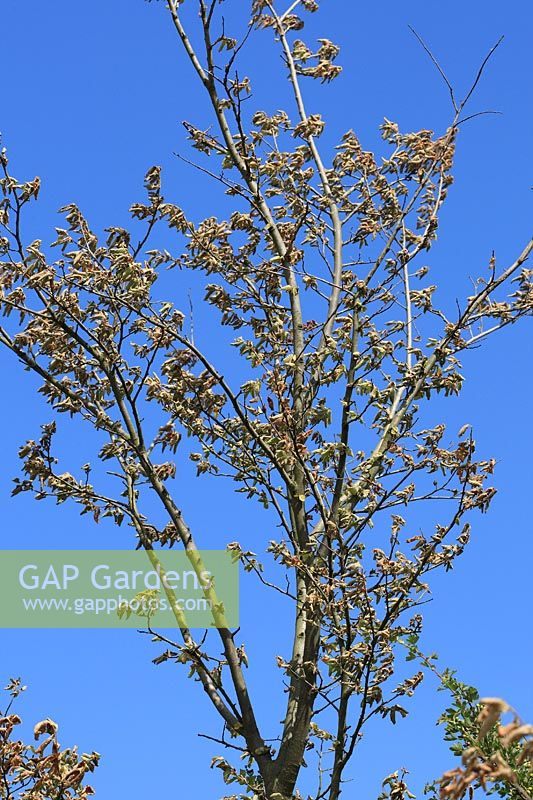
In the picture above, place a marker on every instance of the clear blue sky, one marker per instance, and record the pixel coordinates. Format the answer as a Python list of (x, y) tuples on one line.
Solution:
[(92, 95)]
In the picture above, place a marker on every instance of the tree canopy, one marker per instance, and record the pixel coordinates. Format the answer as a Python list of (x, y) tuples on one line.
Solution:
[(318, 412)]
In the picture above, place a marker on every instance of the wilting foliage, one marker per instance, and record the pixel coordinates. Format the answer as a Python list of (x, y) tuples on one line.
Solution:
[(498, 757), (40, 770), (321, 270)]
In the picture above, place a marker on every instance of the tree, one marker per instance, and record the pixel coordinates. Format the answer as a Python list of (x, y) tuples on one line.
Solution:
[(339, 352)]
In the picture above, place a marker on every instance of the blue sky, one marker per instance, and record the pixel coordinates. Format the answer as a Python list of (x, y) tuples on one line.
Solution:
[(93, 94)]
